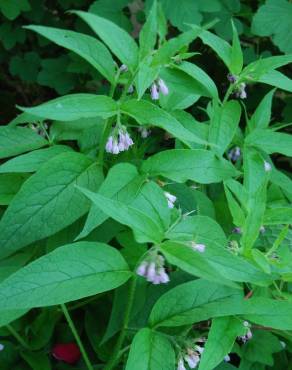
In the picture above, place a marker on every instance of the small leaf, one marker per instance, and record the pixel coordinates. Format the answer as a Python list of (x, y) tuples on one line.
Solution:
[(262, 115), (68, 273), (148, 33), (236, 62)]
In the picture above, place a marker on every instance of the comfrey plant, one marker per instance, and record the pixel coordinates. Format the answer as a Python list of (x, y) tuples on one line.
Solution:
[(148, 244)]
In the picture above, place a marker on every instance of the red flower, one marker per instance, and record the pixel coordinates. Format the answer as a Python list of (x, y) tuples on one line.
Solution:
[(67, 352)]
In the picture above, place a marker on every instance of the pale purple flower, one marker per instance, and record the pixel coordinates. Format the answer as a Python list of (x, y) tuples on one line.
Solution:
[(192, 360), (163, 87), (164, 278), (180, 364), (151, 272), (236, 230), (115, 149), (240, 92), (267, 166), (198, 247), (231, 78), (109, 145), (199, 349), (142, 268), (144, 132), (248, 334), (123, 68), (131, 89), (154, 92), (234, 154), (1, 347), (227, 358), (171, 199)]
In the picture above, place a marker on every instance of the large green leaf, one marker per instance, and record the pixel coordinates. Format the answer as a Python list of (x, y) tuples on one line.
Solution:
[(31, 162), (87, 47), (7, 316), (147, 228), (48, 201), (68, 273), (200, 300), (147, 113), (117, 39), (17, 140), (150, 351), (185, 164), (75, 106)]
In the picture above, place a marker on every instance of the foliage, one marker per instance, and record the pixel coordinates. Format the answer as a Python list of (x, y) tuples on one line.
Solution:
[(146, 211)]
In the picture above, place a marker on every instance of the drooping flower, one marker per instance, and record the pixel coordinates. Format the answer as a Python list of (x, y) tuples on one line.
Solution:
[(240, 91), (267, 166), (234, 154), (154, 92), (153, 269), (227, 358), (171, 199), (181, 365), (67, 352), (192, 360), (248, 333), (163, 87)]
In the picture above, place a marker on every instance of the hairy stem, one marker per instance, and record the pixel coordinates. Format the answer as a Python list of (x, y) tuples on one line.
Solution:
[(116, 352), (77, 337)]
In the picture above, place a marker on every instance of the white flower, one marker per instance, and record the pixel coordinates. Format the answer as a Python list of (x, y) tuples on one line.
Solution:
[(198, 247), (180, 364), (163, 87), (246, 324), (1, 347), (123, 68), (267, 166), (192, 360), (283, 344), (171, 199), (154, 92), (227, 358)]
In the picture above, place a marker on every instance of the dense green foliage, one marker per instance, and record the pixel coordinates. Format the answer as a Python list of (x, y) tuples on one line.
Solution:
[(145, 185)]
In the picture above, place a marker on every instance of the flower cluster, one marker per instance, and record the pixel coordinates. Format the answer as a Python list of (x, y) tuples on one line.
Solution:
[(192, 357), (248, 334), (157, 87), (240, 91), (118, 141), (153, 269), (171, 199)]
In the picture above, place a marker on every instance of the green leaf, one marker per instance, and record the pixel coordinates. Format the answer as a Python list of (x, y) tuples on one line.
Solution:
[(262, 115), (37, 360), (200, 76), (86, 46), (236, 211), (277, 79), (274, 18), (138, 220), (68, 273), (75, 106), (122, 183), (148, 33), (220, 46), (26, 66), (118, 40), (17, 140), (270, 141), (236, 62), (200, 300), (150, 351), (224, 124), (146, 113), (179, 305), (261, 260), (278, 216), (9, 186), (12, 8), (31, 162), (224, 330), (48, 201), (181, 165), (7, 316), (145, 76)]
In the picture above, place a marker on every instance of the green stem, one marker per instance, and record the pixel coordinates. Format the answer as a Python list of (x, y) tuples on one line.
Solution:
[(228, 93), (115, 356), (77, 338), (18, 337)]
